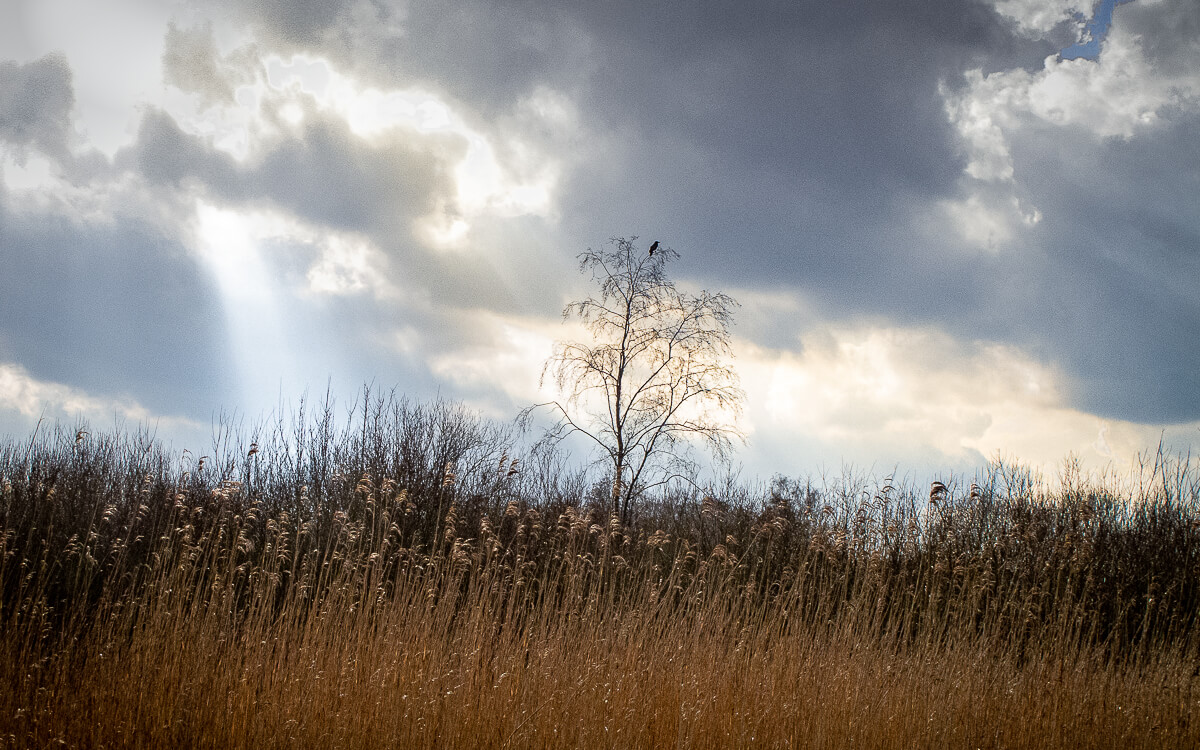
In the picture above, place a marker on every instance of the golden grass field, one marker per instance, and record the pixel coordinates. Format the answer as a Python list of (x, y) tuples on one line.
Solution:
[(369, 602)]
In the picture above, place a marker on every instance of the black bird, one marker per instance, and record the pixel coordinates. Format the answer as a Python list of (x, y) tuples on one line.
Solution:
[(654, 247)]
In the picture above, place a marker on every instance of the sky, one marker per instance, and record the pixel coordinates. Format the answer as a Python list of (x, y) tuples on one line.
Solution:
[(958, 231)]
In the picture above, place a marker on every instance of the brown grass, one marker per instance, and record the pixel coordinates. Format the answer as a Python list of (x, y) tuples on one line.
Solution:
[(195, 613), (414, 675)]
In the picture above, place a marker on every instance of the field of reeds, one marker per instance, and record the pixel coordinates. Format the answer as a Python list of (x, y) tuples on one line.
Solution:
[(405, 576)]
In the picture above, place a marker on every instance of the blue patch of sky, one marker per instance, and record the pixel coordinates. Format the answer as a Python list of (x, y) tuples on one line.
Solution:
[(1094, 31)]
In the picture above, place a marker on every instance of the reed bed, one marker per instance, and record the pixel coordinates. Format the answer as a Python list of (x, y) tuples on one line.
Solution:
[(400, 578)]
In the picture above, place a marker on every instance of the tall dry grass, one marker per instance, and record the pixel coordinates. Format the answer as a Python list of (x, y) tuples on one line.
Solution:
[(397, 580)]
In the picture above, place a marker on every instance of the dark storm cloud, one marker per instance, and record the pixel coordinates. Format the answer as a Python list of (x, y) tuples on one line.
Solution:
[(802, 125), (1117, 258), (797, 89), (112, 307), (762, 84), (793, 136), (799, 147), (35, 104), (792, 133), (794, 150)]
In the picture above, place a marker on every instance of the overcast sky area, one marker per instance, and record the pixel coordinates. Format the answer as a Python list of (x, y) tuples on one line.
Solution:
[(958, 230)]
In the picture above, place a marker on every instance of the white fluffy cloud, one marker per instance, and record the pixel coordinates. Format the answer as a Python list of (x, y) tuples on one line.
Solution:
[(1116, 95), (1039, 17), (1121, 94)]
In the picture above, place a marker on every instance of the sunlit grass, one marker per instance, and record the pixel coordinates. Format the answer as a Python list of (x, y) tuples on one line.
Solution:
[(398, 581)]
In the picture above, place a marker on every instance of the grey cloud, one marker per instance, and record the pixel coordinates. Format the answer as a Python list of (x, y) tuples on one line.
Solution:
[(112, 307), (484, 53), (191, 62), (325, 174), (1120, 244), (166, 155), (490, 54), (1169, 31), (799, 88), (822, 193), (809, 128), (797, 146), (300, 21), (806, 126), (1103, 287), (35, 104), (783, 146), (331, 26)]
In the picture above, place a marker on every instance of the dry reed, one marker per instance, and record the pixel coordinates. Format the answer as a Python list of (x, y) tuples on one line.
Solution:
[(364, 586)]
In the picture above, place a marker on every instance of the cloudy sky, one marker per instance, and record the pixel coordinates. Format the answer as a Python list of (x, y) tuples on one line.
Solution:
[(957, 229)]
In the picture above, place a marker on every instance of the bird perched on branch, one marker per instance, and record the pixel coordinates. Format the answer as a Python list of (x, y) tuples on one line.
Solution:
[(654, 247)]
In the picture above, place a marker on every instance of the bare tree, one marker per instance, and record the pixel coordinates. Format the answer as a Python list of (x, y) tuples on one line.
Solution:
[(654, 381)]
